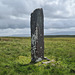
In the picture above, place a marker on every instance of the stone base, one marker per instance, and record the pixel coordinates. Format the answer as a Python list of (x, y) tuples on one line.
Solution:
[(39, 59)]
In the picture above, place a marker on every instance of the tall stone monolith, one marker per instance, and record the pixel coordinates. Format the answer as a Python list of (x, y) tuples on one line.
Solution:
[(37, 35)]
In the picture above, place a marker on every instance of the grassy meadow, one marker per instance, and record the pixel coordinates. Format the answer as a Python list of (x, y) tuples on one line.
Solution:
[(15, 56)]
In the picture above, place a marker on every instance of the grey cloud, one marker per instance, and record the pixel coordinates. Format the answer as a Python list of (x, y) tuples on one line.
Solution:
[(66, 31), (20, 7), (60, 9), (59, 24), (5, 11), (17, 8), (14, 7), (11, 23)]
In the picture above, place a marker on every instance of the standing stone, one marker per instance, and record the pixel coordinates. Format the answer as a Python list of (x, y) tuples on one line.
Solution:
[(37, 35)]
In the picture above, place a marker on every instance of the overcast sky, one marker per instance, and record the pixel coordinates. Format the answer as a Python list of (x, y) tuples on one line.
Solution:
[(59, 16)]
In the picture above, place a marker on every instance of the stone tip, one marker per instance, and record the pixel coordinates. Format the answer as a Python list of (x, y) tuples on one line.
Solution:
[(40, 9)]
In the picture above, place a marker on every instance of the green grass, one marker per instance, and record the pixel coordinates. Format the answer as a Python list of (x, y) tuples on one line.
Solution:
[(15, 57)]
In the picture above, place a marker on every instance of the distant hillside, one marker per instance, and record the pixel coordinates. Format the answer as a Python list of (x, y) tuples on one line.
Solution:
[(59, 35), (28, 35), (20, 35)]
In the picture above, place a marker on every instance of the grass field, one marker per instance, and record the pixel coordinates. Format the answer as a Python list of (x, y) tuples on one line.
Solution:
[(15, 56)]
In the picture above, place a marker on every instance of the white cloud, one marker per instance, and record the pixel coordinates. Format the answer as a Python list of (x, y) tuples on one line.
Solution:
[(11, 32), (53, 31)]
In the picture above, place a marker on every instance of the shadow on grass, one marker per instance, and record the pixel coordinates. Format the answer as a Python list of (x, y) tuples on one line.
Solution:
[(26, 68)]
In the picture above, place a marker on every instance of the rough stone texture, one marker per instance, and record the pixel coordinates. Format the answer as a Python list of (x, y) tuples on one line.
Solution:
[(37, 35)]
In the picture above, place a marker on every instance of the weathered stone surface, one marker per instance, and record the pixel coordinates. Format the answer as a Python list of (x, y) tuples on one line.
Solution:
[(37, 35)]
